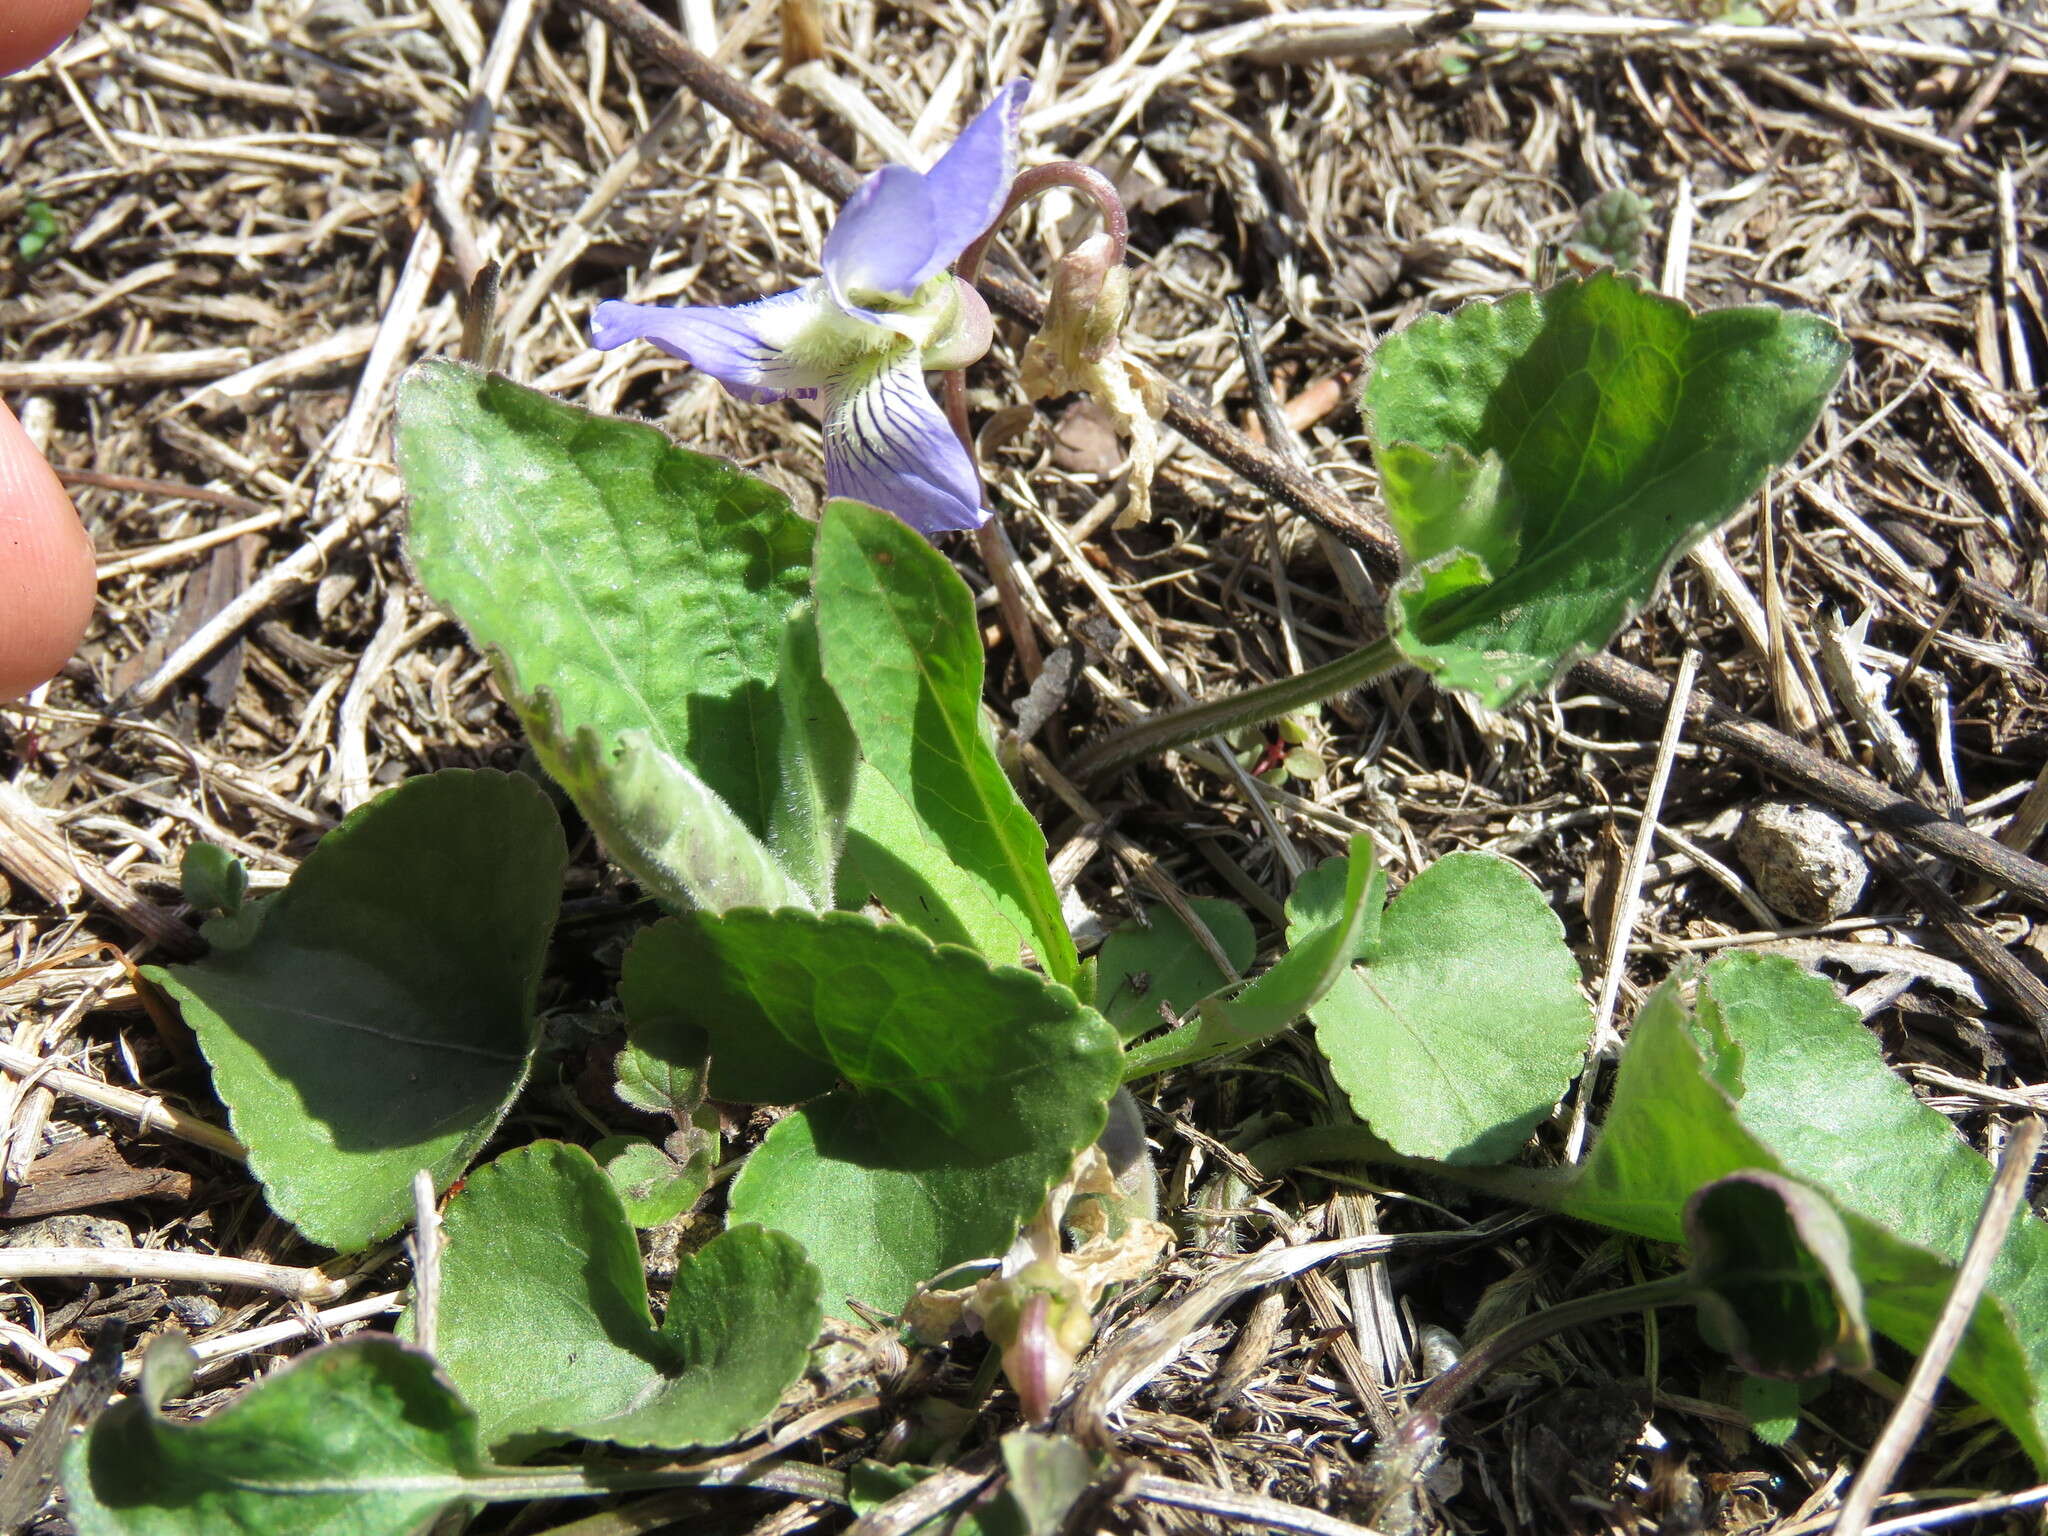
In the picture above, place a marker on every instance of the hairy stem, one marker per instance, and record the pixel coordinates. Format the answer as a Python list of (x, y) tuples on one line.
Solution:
[(1177, 727)]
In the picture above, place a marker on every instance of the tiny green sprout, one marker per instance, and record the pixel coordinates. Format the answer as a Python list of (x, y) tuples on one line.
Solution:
[(1610, 231), (38, 232), (213, 880)]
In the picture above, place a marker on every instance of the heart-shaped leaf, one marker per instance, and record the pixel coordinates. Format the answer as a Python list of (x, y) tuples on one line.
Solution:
[(1545, 457), (637, 597), (903, 651), (360, 1438), (540, 1250), (654, 1187), (956, 1059), (660, 1087), (380, 1018), (828, 1176), (949, 1094), (1463, 1023)]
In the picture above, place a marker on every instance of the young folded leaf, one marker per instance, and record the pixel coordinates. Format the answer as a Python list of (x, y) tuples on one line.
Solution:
[(1547, 456), (1810, 1081), (1782, 1293), (1673, 1128), (1292, 985)]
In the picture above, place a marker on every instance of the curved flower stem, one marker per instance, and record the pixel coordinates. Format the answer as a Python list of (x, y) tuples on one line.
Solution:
[(1177, 727), (953, 387), (1442, 1394), (1036, 182)]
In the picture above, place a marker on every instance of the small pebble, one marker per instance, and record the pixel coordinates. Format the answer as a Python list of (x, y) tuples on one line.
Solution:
[(197, 1313), (1804, 861), (76, 1230)]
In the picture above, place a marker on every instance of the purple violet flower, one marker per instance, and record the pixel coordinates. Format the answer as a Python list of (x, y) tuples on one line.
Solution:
[(862, 335)]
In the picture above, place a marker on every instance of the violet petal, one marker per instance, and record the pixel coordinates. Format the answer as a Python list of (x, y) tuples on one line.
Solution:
[(972, 179), (882, 240), (888, 444), (743, 346)]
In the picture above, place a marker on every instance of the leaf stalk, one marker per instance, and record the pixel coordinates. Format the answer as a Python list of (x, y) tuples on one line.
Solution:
[(1167, 729)]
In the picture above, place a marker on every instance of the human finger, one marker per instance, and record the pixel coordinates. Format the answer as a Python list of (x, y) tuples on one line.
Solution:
[(31, 28), (46, 566)]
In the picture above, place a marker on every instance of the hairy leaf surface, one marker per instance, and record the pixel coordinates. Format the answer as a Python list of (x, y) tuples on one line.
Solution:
[(637, 599), (903, 651)]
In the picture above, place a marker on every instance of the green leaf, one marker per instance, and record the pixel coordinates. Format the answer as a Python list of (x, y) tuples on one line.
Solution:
[(951, 1058), (1292, 986), (1814, 1088), (212, 879), (1772, 1408), (892, 856), (1547, 456), (1049, 1475), (657, 1086), (1783, 1297), (877, 1230), (633, 592), (1464, 1023), (1669, 1130), (661, 822), (954, 1093), (381, 1018), (654, 1187), (1318, 901), (1672, 1128), (1448, 503), (38, 232), (1158, 965), (360, 1438), (903, 651), (540, 1251)]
